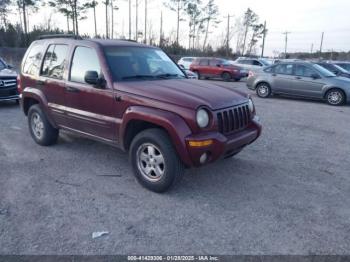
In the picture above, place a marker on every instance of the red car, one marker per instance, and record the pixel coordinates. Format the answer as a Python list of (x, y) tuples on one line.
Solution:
[(217, 68), (134, 97)]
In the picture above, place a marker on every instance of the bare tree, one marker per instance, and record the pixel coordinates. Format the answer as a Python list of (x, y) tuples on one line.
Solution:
[(93, 4), (250, 18), (211, 12), (194, 12), (106, 3), (258, 32), (178, 6), (4, 10), (25, 4)]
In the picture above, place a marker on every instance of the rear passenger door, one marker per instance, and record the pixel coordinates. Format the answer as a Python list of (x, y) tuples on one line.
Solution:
[(204, 68), (51, 79), (90, 110)]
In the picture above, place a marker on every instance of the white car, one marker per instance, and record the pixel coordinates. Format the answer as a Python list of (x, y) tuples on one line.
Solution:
[(185, 62), (251, 63)]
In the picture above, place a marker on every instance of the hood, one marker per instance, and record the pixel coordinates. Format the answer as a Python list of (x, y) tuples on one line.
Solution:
[(340, 81), (7, 73), (185, 93)]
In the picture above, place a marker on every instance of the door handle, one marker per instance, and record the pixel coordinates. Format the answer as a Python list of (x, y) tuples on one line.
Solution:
[(274, 75), (71, 89), (298, 77)]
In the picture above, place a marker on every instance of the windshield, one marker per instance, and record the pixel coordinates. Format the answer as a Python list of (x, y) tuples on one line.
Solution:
[(139, 63), (2, 65), (265, 62), (324, 71), (340, 68)]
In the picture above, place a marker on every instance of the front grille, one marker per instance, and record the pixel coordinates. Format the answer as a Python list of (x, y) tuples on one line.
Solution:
[(7, 83), (233, 119)]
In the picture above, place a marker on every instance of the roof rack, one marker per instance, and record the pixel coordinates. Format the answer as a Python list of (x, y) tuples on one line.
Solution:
[(76, 37)]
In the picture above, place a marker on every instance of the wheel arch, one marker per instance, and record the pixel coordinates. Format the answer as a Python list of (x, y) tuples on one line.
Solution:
[(139, 118)]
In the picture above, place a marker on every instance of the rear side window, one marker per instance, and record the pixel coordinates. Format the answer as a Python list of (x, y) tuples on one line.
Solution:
[(55, 61), (285, 69), (84, 59), (32, 63), (214, 62)]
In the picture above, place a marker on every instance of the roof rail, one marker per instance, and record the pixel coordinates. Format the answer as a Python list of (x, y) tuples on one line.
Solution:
[(76, 37)]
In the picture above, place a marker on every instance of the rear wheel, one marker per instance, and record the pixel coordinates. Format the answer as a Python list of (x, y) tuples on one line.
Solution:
[(263, 90), (198, 74), (335, 97), (154, 160), (40, 128), (226, 76)]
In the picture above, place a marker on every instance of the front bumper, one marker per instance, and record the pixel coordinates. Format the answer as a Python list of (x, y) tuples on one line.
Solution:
[(9, 94), (223, 146)]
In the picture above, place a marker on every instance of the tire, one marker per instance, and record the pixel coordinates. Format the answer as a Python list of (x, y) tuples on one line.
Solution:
[(226, 76), (156, 176), (17, 101), (335, 97), (237, 79), (198, 74), (40, 128), (263, 90)]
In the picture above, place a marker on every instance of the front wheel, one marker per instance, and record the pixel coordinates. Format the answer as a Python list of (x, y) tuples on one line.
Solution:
[(335, 97), (226, 76), (263, 90), (154, 160), (40, 128)]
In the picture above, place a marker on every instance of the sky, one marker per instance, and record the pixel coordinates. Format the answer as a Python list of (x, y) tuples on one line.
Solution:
[(304, 19)]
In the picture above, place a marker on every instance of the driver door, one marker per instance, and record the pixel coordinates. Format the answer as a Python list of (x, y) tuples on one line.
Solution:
[(89, 109)]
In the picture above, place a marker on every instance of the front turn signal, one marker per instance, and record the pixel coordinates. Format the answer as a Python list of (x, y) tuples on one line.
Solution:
[(202, 143)]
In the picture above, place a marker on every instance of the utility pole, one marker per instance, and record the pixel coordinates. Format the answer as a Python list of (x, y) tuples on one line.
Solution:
[(321, 47), (161, 29), (129, 19), (137, 21), (263, 44), (146, 11), (312, 48), (228, 35), (286, 43)]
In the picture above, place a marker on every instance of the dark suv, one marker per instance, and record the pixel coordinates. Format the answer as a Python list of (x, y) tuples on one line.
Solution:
[(217, 68), (8, 83), (135, 97)]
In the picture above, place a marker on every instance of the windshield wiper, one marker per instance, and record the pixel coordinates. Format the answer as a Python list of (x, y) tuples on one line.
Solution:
[(165, 76), (138, 77)]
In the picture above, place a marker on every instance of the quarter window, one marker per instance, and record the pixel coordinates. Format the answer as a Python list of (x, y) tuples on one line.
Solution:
[(85, 59), (32, 63), (285, 69), (55, 61)]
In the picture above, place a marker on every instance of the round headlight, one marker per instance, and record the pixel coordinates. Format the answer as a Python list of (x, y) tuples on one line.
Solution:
[(202, 118), (251, 106)]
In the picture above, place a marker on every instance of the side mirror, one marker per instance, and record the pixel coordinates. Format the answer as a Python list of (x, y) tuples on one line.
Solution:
[(92, 78), (218, 65), (315, 76)]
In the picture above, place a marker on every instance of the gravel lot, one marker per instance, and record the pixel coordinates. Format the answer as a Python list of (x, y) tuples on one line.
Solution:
[(289, 193)]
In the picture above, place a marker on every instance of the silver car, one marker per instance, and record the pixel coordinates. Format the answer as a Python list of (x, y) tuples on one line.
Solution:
[(300, 79)]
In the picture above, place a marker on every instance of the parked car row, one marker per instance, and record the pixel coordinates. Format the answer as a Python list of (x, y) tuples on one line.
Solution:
[(323, 81), (8, 83)]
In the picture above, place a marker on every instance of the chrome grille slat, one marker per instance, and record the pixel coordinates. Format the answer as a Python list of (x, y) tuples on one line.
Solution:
[(233, 119)]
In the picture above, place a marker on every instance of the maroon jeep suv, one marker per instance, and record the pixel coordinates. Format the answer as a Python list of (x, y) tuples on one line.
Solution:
[(135, 97)]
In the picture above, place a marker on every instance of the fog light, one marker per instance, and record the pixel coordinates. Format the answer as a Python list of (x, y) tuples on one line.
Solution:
[(203, 158)]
